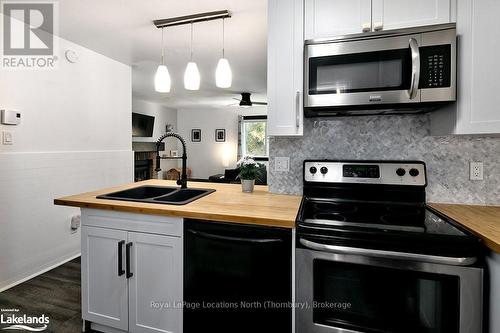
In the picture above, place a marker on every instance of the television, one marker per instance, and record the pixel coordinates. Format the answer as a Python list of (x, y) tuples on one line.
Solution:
[(142, 125)]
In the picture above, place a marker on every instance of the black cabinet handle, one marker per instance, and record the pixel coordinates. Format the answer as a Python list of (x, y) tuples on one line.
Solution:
[(234, 239), (127, 259), (120, 258)]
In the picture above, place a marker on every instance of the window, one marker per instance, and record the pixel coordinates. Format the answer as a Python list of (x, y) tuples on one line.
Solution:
[(254, 140)]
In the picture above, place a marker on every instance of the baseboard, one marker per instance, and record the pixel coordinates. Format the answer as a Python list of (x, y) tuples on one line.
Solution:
[(40, 271), (105, 329)]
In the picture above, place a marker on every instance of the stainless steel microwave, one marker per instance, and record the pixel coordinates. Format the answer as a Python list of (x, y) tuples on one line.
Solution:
[(396, 71)]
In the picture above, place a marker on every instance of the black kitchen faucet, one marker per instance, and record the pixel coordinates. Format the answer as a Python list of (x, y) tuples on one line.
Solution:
[(183, 181)]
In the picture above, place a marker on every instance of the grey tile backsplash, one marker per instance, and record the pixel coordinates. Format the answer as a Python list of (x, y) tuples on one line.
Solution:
[(394, 138)]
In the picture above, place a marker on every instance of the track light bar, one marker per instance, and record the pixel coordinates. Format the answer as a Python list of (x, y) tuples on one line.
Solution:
[(188, 19)]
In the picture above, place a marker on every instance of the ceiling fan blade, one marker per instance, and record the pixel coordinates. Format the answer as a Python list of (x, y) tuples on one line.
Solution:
[(259, 103), (237, 99)]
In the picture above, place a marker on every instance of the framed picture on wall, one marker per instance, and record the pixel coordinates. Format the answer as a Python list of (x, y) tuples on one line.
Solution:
[(220, 135), (196, 135)]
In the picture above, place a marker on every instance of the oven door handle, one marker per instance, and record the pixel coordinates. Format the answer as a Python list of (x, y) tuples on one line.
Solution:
[(461, 261), (415, 68)]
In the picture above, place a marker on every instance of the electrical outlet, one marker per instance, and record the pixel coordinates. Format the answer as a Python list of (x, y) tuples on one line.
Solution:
[(282, 164), (476, 171), (75, 223), (7, 138)]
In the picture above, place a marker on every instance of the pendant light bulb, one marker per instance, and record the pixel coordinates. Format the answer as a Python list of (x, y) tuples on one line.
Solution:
[(223, 74), (162, 79), (162, 76), (192, 74)]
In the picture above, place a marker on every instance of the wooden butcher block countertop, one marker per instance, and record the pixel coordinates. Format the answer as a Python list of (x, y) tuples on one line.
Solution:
[(484, 221), (228, 203)]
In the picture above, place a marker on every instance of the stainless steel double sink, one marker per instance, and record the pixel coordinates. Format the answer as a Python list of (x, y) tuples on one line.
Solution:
[(159, 194)]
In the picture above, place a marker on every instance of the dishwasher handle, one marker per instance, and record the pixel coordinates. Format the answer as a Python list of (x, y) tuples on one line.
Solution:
[(233, 239)]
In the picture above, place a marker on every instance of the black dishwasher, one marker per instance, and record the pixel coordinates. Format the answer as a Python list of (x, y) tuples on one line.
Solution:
[(237, 278)]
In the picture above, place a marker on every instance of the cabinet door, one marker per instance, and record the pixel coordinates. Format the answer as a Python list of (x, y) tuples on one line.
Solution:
[(327, 18), (478, 102), (396, 14), (155, 288), (104, 287), (477, 109), (285, 67)]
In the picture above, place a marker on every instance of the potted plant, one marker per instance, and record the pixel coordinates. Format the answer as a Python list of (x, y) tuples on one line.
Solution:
[(248, 170)]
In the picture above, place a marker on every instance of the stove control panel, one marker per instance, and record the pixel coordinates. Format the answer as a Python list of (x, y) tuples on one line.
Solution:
[(386, 173)]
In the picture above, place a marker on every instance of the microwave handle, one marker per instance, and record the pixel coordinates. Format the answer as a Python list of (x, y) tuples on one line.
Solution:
[(415, 68)]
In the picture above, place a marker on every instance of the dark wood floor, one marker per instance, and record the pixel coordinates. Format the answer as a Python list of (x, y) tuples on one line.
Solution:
[(55, 293)]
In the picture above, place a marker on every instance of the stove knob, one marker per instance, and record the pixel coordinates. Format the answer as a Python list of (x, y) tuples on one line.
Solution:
[(323, 170), (414, 172), (313, 170), (400, 172)]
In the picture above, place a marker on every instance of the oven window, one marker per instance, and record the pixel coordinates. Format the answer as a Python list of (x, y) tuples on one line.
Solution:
[(360, 72), (377, 299)]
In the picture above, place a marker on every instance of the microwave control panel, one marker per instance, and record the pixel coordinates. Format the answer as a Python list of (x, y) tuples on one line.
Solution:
[(435, 70)]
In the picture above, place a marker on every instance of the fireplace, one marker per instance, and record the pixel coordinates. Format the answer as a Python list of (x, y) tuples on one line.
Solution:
[(144, 160), (143, 169)]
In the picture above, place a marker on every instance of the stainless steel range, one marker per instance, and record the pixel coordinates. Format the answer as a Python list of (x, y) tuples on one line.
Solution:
[(372, 257)]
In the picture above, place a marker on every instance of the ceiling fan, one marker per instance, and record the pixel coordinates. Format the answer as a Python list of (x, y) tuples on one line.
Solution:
[(245, 100)]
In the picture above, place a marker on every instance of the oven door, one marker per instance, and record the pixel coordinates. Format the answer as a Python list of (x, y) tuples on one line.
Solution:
[(364, 72), (344, 293)]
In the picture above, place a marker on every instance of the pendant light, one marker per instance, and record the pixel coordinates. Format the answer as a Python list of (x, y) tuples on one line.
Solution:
[(192, 74), (223, 75), (162, 76)]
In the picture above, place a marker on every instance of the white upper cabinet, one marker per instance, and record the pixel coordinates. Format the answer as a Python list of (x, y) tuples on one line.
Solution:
[(285, 58), (477, 110), (396, 14), (327, 18)]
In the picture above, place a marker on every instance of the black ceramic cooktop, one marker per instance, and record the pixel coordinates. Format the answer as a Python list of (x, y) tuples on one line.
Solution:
[(372, 215), (381, 225)]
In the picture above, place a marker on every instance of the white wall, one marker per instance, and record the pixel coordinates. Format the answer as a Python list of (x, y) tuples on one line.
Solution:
[(75, 136), (163, 115), (208, 157)]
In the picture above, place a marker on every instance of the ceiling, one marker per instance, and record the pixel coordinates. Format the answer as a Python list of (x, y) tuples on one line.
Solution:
[(123, 30)]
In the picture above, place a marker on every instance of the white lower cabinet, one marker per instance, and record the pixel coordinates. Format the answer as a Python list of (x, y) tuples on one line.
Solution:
[(493, 261), (156, 283), (104, 293), (131, 281)]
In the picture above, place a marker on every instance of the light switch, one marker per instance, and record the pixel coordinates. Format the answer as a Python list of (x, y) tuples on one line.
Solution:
[(282, 164), (7, 138)]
